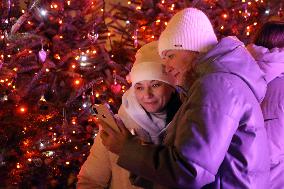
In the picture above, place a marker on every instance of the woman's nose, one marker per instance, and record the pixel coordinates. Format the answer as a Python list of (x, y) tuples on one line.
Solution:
[(148, 93)]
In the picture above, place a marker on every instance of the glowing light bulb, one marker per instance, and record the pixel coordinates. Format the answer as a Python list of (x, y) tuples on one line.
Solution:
[(83, 58), (43, 12), (83, 64), (77, 82), (41, 145), (22, 109), (225, 16)]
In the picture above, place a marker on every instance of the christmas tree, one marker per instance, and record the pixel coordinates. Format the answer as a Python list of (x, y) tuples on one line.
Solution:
[(59, 57), (145, 20)]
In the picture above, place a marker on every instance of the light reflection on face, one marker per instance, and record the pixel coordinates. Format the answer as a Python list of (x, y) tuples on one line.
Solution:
[(153, 95), (179, 63)]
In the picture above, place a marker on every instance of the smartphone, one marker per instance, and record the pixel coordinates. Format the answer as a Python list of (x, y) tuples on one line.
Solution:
[(103, 112)]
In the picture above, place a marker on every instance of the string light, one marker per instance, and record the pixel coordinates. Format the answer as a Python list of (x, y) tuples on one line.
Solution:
[(57, 56), (55, 6), (225, 16), (267, 11), (74, 121), (43, 13), (42, 99), (77, 82), (22, 109)]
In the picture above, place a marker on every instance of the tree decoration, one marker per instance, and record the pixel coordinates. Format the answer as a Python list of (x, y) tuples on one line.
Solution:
[(42, 53), (115, 87)]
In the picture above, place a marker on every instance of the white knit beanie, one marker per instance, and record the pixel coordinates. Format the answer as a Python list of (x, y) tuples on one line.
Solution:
[(149, 66), (189, 29)]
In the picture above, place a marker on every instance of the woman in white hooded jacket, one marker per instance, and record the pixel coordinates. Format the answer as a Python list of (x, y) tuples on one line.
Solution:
[(268, 50), (147, 107)]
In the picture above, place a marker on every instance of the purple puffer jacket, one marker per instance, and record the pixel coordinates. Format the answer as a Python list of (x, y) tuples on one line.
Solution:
[(272, 63), (217, 138)]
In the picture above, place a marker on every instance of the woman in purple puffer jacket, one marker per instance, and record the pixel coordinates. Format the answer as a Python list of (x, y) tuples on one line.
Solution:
[(268, 50)]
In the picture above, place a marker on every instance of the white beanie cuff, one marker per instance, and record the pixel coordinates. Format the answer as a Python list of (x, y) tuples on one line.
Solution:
[(150, 71)]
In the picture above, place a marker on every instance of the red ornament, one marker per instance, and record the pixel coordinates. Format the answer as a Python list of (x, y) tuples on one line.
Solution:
[(92, 98), (115, 88)]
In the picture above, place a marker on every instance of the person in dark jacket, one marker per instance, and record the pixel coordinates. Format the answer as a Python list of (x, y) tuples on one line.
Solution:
[(217, 138), (147, 108), (268, 51)]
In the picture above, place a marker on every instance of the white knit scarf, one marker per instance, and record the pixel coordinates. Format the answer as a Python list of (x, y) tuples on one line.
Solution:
[(154, 124)]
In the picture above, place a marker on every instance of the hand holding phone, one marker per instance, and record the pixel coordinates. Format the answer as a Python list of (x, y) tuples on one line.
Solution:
[(104, 113)]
